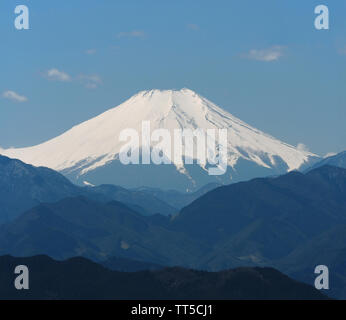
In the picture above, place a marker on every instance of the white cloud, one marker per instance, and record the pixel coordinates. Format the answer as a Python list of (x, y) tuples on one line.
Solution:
[(131, 34), (267, 55), (57, 75), (11, 95), (329, 154), (90, 81), (302, 147)]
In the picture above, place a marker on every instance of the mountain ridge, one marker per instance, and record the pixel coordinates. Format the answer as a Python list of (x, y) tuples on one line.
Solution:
[(90, 151), (79, 278), (337, 160), (274, 221), (255, 222), (23, 186)]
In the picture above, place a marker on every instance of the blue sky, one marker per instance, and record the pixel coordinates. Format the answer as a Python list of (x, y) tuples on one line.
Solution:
[(263, 61)]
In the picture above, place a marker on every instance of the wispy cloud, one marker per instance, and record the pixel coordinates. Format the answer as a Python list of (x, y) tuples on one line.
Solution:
[(193, 27), (302, 147), (132, 34), (90, 81), (267, 55), (57, 75), (11, 95), (329, 154)]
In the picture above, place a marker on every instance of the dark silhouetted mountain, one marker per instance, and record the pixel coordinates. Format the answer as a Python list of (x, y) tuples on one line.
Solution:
[(250, 223), (329, 249), (128, 265), (338, 160), (265, 219), (79, 278), (256, 223)]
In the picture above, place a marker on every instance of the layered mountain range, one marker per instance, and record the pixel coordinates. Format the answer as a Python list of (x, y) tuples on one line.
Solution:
[(277, 206), (24, 186), (291, 222)]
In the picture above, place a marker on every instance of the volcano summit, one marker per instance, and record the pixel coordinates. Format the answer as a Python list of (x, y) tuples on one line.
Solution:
[(90, 151)]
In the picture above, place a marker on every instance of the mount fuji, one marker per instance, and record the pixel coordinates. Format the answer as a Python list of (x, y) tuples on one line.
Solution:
[(89, 152)]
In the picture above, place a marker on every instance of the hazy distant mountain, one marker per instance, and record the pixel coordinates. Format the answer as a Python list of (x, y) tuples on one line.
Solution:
[(338, 160), (175, 198), (250, 223), (146, 203), (293, 222), (79, 278), (90, 151), (23, 186), (80, 226)]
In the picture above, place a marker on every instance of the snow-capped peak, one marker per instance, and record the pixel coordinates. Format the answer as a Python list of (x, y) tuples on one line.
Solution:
[(95, 143)]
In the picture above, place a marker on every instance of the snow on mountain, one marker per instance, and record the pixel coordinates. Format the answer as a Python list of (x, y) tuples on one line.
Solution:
[(84, 150), (336, 160)]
